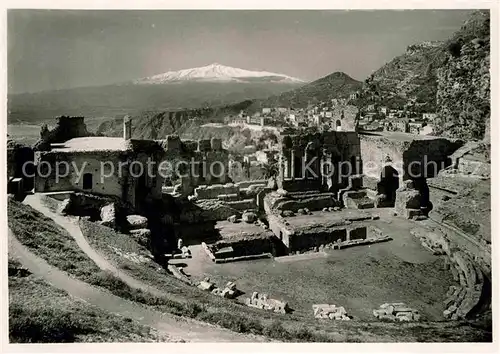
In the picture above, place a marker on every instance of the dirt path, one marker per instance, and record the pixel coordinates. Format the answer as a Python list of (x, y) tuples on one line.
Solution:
[(70, 224), (173, 326)]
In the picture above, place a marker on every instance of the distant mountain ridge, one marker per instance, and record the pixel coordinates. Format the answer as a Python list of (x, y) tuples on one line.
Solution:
[(335, 85), (153, 125), (216, 73), (211, 86)]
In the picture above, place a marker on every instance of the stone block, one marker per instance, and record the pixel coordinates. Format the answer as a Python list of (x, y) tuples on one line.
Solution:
[(108, 215), (207, 286), (228, 293), (249, 217), (233, 219), (407, 199), (137, 222), (410, 213)]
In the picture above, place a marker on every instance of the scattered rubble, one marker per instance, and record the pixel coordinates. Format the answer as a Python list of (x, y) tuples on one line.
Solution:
[(228, 292), (397, 311), (261, 301), (331, 312)]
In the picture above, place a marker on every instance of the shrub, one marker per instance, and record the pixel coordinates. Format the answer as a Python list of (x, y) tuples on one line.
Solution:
[(454, 48)]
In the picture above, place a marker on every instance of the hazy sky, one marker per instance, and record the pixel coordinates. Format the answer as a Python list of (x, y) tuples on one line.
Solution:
[(50, 49)]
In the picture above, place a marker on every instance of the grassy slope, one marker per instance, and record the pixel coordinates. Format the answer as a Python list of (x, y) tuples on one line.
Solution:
[(43, 237), (298, 327), (40, 313)]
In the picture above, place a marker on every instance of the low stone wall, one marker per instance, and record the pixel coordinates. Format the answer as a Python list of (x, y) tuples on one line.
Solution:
[(206, 210), (294, 202), (248, 246), (242, 205), (215, 190), (255, 182)]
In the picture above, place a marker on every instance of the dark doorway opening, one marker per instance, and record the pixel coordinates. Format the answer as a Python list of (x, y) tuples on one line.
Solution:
[(87, 181), (389, 183), (425, 201)]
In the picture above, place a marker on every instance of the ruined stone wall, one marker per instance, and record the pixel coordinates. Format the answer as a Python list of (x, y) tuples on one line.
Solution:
[(248, 246), (216, 190), (376, 150), (346, 115), (193, 163), (315, 201), (403, 154), (80, 163), (305, 241), (66, 128), (314, 150)]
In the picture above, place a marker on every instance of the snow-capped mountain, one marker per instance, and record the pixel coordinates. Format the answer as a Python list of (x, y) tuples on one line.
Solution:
[(217, 73)]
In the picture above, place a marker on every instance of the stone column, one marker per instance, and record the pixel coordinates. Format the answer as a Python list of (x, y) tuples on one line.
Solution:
[(292, 165)]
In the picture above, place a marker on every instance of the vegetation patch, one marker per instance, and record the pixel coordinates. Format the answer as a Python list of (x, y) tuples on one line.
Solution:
[(40, 313)]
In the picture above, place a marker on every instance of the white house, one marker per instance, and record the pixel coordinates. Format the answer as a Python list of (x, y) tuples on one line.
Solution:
[(429, 116)]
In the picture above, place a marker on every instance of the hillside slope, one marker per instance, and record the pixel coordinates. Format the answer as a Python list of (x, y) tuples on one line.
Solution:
[(335, 85), (463, 82), (411, 75), (451, 78), (158, 124)]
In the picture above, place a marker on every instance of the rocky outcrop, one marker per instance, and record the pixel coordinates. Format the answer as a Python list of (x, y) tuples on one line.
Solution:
[(463, 91)]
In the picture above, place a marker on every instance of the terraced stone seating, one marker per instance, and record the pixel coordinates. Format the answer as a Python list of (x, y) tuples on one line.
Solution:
[(261, 301), (332, 312), (463, 299), (397, 311)]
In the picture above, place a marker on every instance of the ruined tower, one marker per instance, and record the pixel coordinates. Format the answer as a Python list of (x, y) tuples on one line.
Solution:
[(127, 127)]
